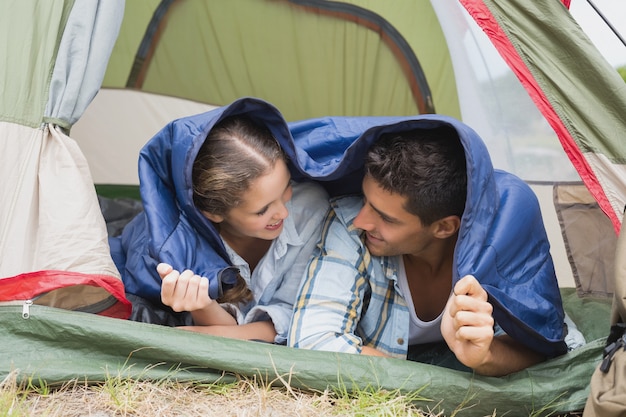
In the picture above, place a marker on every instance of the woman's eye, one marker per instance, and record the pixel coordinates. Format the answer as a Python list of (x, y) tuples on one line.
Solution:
[(262, 212)]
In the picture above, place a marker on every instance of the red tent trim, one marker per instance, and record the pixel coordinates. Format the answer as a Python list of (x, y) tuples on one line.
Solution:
[(29, 285)]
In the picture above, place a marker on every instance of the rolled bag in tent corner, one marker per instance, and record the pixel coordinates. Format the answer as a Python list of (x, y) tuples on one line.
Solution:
[(607, 396), (53, 238)]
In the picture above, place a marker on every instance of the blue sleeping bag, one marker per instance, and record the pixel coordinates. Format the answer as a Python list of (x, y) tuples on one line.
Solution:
[(502, 240)]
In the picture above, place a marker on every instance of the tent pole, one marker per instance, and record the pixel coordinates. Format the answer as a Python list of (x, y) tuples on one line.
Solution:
[(607, 22)]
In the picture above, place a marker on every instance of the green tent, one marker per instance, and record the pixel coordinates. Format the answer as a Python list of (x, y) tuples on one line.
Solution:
[(89, 84)]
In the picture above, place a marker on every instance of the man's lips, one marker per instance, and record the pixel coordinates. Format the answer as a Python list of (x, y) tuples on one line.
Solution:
[(372, 238)]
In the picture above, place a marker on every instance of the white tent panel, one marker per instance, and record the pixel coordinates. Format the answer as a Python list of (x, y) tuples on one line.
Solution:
[(56, 223), (118, 123)]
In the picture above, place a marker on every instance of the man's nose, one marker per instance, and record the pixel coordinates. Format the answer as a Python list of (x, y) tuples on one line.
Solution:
[(363, 220)]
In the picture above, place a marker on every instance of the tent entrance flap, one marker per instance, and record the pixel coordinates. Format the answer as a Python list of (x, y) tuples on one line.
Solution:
[(588, 235)]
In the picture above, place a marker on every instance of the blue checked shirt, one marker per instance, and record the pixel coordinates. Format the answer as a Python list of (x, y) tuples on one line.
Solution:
[(349, 299)]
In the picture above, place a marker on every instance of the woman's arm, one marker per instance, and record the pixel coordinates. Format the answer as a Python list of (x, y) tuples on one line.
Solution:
[(189, 292), (259, 330)]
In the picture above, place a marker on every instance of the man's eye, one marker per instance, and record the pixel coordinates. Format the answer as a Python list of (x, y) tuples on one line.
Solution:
[(386, 219), (262, 212)]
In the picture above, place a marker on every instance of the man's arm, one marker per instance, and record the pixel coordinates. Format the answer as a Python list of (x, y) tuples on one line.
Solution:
[(467, 327), (507, 356)]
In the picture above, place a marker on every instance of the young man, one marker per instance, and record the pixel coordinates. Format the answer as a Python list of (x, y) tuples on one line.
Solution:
[(440, 247)]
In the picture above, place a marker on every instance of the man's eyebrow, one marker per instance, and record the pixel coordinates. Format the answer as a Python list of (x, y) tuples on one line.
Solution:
[(383, 214)]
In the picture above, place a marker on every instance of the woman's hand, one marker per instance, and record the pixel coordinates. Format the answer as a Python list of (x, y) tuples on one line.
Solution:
[(183, 292)]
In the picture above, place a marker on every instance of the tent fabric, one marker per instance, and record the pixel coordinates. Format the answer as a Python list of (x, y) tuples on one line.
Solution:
[(579, 94), (466, 77), (57, 345), (589, 239), (50, 216), (618, 311), (294, 44), (68, 290), (58, 77), (591, 141), (52, 220), (25, 70), (88, 37)]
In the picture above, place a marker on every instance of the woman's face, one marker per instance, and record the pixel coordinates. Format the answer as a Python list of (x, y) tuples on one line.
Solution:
[(263, 207)]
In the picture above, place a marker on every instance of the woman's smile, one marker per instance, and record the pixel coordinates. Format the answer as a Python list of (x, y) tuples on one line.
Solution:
[(275, 226)]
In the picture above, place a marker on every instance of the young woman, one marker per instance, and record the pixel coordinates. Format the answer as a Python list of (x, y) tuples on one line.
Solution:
[(237, 219)]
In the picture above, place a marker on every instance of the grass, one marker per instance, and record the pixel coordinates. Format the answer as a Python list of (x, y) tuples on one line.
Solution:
[(120, 396)]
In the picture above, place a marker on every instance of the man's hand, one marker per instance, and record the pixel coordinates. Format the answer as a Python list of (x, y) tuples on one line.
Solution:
[(467, 327), (183, 292), (467, 323)]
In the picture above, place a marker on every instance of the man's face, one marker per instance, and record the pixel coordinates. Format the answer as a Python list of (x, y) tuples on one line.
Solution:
[(390, 230)]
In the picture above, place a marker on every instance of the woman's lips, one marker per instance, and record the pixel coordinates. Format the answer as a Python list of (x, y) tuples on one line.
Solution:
[(274, 226)]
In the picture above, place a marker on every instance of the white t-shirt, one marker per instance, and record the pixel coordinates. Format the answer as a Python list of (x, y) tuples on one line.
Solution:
[(419, 331)]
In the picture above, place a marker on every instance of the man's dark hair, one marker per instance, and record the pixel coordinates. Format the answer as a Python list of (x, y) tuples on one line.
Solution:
[(426, 165)]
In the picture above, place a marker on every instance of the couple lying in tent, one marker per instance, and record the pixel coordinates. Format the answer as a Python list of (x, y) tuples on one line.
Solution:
[(389, 236)]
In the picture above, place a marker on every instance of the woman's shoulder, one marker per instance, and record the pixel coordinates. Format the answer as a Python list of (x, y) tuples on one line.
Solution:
[(309, 192), (309, 202)]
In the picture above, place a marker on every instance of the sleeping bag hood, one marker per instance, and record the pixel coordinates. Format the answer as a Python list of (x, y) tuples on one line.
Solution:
[(502, 240), (171, 229)]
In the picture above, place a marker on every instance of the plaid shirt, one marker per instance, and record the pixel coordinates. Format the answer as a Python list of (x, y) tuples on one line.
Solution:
[(349, 299)]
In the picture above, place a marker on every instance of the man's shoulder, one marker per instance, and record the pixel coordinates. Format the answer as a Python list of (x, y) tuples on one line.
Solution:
[(339, 228), (347, 207)]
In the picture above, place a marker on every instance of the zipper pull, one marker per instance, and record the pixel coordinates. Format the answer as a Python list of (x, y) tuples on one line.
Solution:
[(26, 309), (610, 351)]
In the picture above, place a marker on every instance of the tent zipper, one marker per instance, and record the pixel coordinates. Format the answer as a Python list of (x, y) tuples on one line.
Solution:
[(24, 303), (26, 309), (610, 351)]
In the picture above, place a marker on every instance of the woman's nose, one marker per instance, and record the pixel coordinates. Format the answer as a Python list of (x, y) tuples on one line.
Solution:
[(282, 212)]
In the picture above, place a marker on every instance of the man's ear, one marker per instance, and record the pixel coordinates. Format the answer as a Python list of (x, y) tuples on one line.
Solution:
[(446, 227), (215, 218)]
